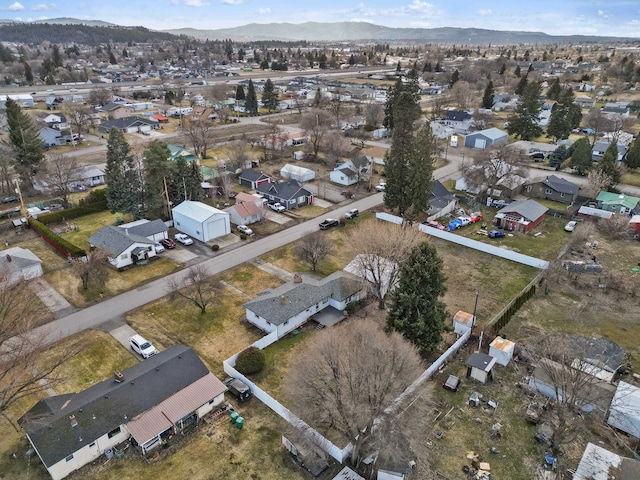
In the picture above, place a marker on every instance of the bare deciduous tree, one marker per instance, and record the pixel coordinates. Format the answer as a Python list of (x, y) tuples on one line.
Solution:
[(61, 172), (6, 169), (462, 95), (94, 269), (335, 146), (22, 371), (315, 123), (597, 181), (373, 115), (200, 133), (195, 286), (78, 116), (379, 248), (347, 378), (238, 153), (313, 248), (100, 96)]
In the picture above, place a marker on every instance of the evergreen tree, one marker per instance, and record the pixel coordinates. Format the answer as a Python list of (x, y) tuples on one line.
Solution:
[(393, 93), (417, 311), (524, 124), (112, 59), (581, 156), (56, 58), (558, 126), (455, 76), (530, 69), (503, 69), (240, 95), (186, 181), (609, 164), (487, 98), (251, 102), (28, 73), (121, 175), (157, 167), (558, 156), (522, 85), (517, 71), (632, 160), (420, 167), (25, 142), (553, 93), (269, 96)]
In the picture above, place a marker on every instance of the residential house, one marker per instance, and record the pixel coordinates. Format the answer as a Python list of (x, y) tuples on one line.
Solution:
[(600, 147), (521, 216), (253, 178), (624, 412), (124, 248), (553, 188), (618, 108), (57, 121), (618, 203), (297, 173), (352, 171), (585, 102), (246, 213), (92, 175), (88, 176), (479, 367), (18, 264), (290, 194), (598, 463), (154, 230), (144, 405), (507, 187), (201, 221), (504, 102), (486, 138), (380, 273), (441, 131), (442, 201), (116, 110), (129, 125), (459, 120), (374, 154), (176, 152), (51, 137), (202, 113), (288, 306)]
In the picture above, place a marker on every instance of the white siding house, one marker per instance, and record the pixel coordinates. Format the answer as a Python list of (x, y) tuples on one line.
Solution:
[(201, 221), (20, 264), (125, 248)]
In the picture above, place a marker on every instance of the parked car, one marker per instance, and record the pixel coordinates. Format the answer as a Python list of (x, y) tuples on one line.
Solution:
[(158, 247), (434, 224), (238, 388), (168, 243), (244, 229), (476, 217), (183, 239), (499, 203), (142, 346), (496, 234), (464, 221), (328, 223), (571, 226), (277, 207), (381, 186), (353, 213), (455, 224), (9, 199)]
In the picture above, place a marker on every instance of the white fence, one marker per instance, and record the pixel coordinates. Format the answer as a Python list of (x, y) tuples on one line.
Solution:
[(475, 244)]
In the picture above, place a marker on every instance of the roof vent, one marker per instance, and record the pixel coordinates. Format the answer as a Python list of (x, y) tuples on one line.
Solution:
[(283, 300), (8, 257), (74, 422), (297, 278)]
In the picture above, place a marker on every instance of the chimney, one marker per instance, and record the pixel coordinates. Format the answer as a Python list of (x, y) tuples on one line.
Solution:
[(283, 300), (74, 422), (297, 278), (8, 257), (118, 376)]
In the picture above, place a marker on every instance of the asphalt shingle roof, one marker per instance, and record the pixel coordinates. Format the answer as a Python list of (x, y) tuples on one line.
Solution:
[(116, 240), (253, 175), (285, 190), (561, 185), (529, 209), (107, 405), (148, 228)]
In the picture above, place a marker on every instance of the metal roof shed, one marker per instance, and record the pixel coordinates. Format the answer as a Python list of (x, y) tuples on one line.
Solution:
[(502, 350)]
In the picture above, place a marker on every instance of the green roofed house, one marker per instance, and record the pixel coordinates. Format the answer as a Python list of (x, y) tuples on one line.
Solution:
[(176, 152), (618, 203)]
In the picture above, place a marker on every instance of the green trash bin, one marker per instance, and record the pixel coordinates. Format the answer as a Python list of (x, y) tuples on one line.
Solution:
[(234, 416), (239, 422), (118, 453)]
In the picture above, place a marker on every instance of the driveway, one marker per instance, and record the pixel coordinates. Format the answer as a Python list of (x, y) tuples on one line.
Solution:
[(123, 334), (49, 295)]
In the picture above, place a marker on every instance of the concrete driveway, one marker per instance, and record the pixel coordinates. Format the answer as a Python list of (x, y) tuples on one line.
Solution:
[(123, 334), (49, 295)]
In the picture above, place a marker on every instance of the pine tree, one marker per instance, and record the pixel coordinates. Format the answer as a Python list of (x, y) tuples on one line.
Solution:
[(581, 156), (522, 85), (269, 96), (524, 124), (487, 98), (503, 69), (558, 156), (455, 76), (420, 166), (609, 164), (251, 102), (417, 311), (632, 160), (558, 126), (24, 140), (553, 93), (157, 167), (517, 71), (240, 95), (28, 73), (121, 175)]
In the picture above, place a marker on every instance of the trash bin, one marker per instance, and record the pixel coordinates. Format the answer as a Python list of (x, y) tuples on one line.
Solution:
[(108, 453), (119, 454), (239, 422), (234, 416)]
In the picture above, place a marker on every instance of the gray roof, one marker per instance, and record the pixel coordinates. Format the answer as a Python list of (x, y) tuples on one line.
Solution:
[(457, 115), (440, 197), (300, 296), (285, 190), (491, 133), (561, 185), (253, 175), (125, 122), (481, 361), (116, 240), (107, 405), (529, 209), (17, 258), (147, 229)]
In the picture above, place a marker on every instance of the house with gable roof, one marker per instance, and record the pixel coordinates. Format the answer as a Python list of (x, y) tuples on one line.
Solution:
[(145, 404), (20, 264), (129, 125), (125, 248), (288, 306), (253, 178), (352, 171), (553, 188), (521, 216), (290, 194), (459, 120), (618, 203)]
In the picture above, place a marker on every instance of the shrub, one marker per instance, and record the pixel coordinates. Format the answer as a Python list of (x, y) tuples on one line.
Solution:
[(56, 240), (98, 204), (250, 360), (243, 236), (215, 247)]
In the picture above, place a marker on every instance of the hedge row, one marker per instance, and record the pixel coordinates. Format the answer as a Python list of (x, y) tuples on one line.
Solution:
[(513, 308), (55, 239), (96, 202)]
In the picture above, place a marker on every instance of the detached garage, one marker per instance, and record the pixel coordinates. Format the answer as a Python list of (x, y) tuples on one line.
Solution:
[(299, 174), (201, 221), (486, 138)]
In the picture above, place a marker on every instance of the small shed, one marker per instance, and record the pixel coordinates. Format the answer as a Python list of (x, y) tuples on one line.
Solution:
[(294, 172), (502, 350), (463, 321), (624, 412), (479, 367)]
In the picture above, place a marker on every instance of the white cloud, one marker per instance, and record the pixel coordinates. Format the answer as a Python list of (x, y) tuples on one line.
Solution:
[(603, 14), (14, 7), (485, 12), (232, 2), (43, 6), (196, 3), (420, 7), (264, 11)]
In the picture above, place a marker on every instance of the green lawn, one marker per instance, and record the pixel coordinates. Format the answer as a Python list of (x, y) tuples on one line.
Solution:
[(80, 229)]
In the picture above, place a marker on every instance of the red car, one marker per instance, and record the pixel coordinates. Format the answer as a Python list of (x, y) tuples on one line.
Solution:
[(432, 224), (168, 243), (475, 217)]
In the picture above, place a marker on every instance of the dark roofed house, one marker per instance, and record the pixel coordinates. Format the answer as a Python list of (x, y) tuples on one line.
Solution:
[(288, 306), (289, 193), (459, 120), (125, 247), (521, 216), (442, 201), (154, 230), (129, 125), (553, 188), (253, 178), (146, 403)]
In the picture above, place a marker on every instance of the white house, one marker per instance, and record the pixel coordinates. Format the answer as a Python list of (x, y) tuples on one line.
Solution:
[(201, 221), (294, 172), (147, 403), (502, 350), (624, 412), (352, 171), (19, 263), (376, 271), (288, 306), (154, 230), (125, 248), (246, 213)]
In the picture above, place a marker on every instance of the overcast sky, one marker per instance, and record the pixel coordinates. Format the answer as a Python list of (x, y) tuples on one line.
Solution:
[(555, 17)]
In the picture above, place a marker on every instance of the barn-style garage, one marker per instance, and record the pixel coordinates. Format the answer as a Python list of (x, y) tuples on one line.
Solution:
[(486, 138), (201, 221)]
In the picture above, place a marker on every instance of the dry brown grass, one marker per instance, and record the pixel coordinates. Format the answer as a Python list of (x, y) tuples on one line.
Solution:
[(250, 279)]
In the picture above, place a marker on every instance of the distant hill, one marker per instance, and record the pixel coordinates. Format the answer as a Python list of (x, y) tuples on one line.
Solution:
[(345, 31), (75, 21)]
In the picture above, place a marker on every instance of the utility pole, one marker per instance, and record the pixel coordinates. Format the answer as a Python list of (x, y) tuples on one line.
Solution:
[(166, 196), (23, 210)]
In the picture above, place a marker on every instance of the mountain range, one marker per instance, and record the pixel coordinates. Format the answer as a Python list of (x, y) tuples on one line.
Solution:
[(355, 31)]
